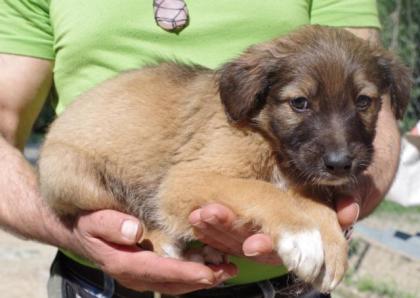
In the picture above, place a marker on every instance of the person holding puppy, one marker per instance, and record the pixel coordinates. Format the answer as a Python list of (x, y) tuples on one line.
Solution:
[(55, 42)]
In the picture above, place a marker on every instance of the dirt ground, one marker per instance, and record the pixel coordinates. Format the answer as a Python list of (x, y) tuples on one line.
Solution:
[(24, 267)]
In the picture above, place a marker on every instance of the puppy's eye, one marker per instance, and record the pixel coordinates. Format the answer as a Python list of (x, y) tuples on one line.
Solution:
[(363, 102), (299, 104)]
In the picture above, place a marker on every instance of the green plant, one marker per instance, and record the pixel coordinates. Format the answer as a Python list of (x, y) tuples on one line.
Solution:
[(388, 207)]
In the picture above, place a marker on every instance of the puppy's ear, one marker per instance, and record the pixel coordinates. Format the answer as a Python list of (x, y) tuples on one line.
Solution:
[(245, 82), (397, 78)]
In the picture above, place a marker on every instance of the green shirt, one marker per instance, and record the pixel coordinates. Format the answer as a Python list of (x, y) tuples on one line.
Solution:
[(93, 40)]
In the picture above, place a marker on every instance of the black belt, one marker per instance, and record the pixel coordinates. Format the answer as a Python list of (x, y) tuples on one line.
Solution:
[(284, 286)]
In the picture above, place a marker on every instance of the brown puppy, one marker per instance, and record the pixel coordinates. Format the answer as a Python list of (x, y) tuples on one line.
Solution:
[(301, 115)]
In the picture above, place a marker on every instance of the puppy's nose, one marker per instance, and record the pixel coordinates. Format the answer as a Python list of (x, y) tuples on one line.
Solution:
[(338, 162)]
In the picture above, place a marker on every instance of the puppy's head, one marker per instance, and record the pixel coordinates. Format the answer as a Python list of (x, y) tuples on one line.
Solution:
[(315, 95)]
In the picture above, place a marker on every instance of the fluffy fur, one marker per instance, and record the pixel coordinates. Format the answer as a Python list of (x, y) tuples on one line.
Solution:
[(273, 135)]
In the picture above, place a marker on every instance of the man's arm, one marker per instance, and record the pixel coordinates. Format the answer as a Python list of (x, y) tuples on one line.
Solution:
[(24, 84), (107, 237), (380, 175)]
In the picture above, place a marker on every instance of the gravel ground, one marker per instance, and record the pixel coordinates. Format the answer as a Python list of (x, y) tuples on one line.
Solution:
[(24, 267)]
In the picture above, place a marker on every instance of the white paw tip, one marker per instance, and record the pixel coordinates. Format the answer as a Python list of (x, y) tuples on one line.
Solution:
[(302, 253)]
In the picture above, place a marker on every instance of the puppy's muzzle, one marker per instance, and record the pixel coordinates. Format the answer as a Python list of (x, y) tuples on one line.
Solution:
[(338, 163)]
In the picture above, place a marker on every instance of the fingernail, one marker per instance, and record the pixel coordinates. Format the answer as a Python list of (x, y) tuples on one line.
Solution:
[(129, 229), (226, 276), (252, 253), (357, 213), (195, 216), (205, 281), (218, 274), (256, 247), (211, 219), (199, 225), (223, 275)]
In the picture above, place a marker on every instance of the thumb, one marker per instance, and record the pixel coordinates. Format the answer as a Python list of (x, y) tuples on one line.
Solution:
[(111, 226), (347, 211), (257, 244)]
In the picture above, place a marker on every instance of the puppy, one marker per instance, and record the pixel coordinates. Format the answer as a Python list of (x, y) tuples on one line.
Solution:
[(274, 135)]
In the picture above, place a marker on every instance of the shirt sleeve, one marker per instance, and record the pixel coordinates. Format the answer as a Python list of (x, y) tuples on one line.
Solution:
[(25, 28), (345, 13)]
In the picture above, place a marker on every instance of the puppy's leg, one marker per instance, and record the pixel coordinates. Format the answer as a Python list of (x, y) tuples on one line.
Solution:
[(70, 181), (335, 244), (297, 237)]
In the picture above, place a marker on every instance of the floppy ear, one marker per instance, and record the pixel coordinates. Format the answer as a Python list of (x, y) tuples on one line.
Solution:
[(245, 82), (398, 80)]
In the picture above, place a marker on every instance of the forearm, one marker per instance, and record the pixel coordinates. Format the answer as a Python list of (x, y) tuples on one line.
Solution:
[(24, 84), (22, 209)]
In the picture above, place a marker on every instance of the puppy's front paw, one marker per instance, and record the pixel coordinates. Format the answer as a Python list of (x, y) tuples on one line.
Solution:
[(302, 253), (335, 265)]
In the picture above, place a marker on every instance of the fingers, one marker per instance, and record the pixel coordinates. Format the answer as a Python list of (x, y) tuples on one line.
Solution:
[(223, 272), (260, 248), (112, 226), (144, 269), (214, 225), (256, 245), (218, 216), (174, 288), (347, 211), (107, 238)]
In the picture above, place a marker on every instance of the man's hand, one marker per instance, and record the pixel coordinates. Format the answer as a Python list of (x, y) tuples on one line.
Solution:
[(214, 225), (109, 239)]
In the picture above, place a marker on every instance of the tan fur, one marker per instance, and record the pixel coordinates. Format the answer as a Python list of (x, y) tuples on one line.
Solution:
[(156, 143)]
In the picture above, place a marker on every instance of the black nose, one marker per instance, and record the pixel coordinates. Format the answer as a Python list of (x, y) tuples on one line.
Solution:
[(338, 162)]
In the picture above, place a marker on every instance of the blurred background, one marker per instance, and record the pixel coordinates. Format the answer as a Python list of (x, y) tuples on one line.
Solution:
[(401, 33), (385, 250)]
